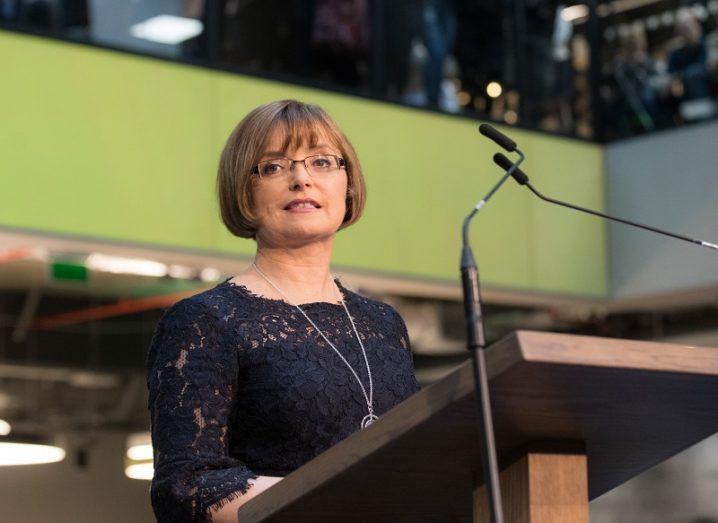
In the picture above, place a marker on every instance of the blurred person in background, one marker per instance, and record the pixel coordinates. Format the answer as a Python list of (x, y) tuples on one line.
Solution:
[(712, 56), (404, 21), (538, 74), (439, 33), (340, 41), (640, 87), (559, 113), (688, 62), (415, 87), (449, 91), (9, 10), (419, 41)]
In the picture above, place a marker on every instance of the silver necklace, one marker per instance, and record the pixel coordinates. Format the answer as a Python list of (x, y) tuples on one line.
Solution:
[(371, 417)]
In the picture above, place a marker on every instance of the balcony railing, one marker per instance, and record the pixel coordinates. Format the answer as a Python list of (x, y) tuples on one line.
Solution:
[(594, 70)]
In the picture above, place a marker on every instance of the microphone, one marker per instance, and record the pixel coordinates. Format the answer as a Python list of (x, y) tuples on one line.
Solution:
[(522, 179), (518, 175), (501, 139), (508, 144)]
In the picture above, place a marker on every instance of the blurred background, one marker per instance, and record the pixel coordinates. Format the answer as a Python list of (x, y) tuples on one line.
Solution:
[(113, 118)]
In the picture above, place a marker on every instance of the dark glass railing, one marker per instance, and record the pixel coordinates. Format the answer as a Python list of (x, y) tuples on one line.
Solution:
[(592, 70)]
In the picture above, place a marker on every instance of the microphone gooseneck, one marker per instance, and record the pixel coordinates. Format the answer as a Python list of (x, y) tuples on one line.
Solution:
[(476, 340), (522, 179), (496, 136)]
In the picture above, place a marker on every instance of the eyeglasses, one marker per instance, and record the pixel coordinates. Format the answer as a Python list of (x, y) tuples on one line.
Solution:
[(316, 165)]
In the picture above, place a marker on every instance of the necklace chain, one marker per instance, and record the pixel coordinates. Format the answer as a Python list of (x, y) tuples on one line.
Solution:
[(371, 417)]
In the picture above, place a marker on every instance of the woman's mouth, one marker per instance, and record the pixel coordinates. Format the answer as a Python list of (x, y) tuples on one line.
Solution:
[(303, 206)]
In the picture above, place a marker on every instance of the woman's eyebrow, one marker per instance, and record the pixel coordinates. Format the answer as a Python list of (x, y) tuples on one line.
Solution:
[(275, 154)]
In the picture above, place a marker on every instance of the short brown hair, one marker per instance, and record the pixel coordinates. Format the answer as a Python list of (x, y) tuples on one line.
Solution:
[(298, 122)]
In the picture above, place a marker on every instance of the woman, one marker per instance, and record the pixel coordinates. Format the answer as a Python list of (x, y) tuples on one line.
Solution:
[(254, 377)]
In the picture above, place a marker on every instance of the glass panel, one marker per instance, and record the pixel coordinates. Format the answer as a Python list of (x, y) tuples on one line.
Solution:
[(520, 62)]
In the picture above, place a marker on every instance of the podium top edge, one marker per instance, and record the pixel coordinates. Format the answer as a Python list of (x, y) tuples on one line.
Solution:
[(594, 351)]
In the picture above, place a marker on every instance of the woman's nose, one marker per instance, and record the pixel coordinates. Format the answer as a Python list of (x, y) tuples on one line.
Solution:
[(299, 174)]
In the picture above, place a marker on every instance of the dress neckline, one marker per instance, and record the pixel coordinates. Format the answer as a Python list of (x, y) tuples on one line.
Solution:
[(244, 291)]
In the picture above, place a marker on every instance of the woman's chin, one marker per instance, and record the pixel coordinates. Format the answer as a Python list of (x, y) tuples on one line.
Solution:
[(307, 232)]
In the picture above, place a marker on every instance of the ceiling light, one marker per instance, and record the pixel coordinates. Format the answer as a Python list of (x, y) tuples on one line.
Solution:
[(118, 265), (574, 13), (510, 117), (140, 471), (4, 428), (139, 456), (167, 29), (181, 271), (18, 449), (139, 446), (494, 89), (210, 274)]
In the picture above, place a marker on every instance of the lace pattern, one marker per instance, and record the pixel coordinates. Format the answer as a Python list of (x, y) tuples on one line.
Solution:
[(241, 385)]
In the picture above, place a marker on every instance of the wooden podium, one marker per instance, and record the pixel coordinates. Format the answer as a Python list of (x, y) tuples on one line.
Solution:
[(574, 417)]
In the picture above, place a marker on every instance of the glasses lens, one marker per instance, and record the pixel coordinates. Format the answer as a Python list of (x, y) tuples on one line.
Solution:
[(274, 167), (322, 163)]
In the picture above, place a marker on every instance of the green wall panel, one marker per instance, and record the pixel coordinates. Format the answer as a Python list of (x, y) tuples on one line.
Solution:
[(122, 147)]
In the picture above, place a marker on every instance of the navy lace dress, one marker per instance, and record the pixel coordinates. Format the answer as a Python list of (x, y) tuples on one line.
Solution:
[(241, 385)]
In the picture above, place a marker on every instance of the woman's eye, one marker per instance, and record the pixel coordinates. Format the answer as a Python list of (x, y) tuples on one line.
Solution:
[(271, 168), (321, 162)]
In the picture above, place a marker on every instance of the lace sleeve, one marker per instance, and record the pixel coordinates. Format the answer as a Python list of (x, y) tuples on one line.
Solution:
[(405, 342), (192, 379)]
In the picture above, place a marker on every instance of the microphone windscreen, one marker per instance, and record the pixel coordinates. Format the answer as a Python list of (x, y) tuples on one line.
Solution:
[(500, 138), (506, 164)]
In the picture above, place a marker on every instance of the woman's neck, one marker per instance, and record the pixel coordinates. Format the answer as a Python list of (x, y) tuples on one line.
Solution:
[(303, 274)]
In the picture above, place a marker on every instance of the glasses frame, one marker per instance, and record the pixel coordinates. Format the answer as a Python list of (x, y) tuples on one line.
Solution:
[(340, 163)]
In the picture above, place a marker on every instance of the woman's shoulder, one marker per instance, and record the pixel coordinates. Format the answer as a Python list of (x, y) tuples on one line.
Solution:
[(210, 305), (383, 316), (381, 310)]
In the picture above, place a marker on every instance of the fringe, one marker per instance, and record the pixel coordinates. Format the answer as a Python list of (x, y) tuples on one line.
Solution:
[(217, 505)]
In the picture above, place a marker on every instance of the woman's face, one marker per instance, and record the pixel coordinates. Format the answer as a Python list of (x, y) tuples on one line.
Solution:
[(278, 225)]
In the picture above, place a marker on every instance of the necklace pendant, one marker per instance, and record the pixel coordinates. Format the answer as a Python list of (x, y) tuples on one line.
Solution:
[(368, 420)]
